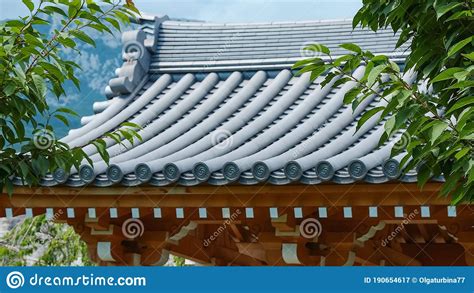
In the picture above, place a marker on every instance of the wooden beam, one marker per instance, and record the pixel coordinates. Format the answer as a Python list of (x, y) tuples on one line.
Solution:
[(435, 254), (364, 262), (399, 258), (254, 250), (238, 235), (284, 223), (424, 232), (233, 257), (193, 249), (362, 194), (468, 253)]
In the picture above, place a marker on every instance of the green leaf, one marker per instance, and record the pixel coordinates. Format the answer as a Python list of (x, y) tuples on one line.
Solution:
[(339, 81), (351, 47), (114, 136), (131, 125), (318, 48), (68, 111), (29, 4), (40, 84), (83, 37), (303, 62), (72, 10), (464, 117), (458, 46), (450, 184), (447, 74), (100, 27), (9, 186), (351, 95), (462, 85), (461, 75), (424, 174), (54, 9), (374, 74), (367, 115), (461, 103), (467, 133), (122, 16), (67, 42), (443, 9), (436, 130), (390, 125), (15, 23), (380, 58), (315, 73), (459, 15), (309, 68), (113, 22), (357, 18), (137, 135), (352, 64), (9, 89), (342, 59), (101, 148), (52, 70), (62, 119), (462, 153), (470, 56), (126, 135)]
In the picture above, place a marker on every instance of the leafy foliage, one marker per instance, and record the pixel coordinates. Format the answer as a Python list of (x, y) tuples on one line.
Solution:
[(37, 241), (436, 110), (179, 261), (31, 67)]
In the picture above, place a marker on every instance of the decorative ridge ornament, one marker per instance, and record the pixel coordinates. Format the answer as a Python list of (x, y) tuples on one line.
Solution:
[(136, 53)]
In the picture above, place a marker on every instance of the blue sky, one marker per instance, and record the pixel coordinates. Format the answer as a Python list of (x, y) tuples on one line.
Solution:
[(230, 10)]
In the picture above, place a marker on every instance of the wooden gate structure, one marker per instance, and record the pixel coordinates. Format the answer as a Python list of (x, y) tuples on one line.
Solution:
[(244, 163)]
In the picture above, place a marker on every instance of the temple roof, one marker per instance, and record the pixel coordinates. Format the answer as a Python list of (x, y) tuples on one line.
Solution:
[(219, 103), (201, 46)]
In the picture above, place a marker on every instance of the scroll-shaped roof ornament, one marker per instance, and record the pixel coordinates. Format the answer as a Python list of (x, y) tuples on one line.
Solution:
[(136, 54)]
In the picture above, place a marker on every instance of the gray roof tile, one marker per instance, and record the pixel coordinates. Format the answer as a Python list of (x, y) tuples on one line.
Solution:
[(238, 116)]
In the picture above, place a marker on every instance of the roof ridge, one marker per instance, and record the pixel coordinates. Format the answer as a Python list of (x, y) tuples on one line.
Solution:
[(148, 17)]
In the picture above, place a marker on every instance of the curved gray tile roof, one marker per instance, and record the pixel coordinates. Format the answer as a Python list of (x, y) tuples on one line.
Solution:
[(218, 103), (198, 46)]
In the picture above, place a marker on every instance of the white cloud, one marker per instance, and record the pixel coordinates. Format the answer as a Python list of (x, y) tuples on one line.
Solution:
[(63, 101)]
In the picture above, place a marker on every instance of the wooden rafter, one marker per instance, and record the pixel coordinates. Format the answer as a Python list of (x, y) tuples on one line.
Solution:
[(250, 196)]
